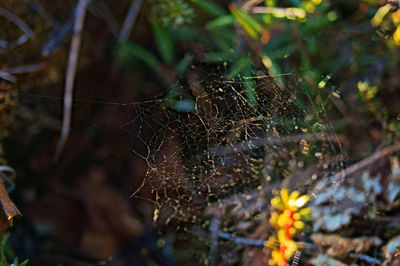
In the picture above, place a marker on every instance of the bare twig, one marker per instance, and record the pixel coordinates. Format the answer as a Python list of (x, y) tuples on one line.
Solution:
[(388, 219), (258, 243), (251, 3), (107, 15), (241, 240), (7, 76), (257, 143), (17, 21), (28, 33), (365, 258), (214, 229), (38, 8), (59, 36), (25, 68), (8, 174), (63, 32), (130, 20), (8, 73), (268, 10), (339, 177), (70, 77)]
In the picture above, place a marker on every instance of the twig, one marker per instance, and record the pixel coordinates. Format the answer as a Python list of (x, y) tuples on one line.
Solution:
[(107, 15), (70, 77), (28, 33), (7, 76), (62, 33), (17, 21), (251, 3), (44, 14), (59, 36), (241, 240), (366, 258), (257, 143), (7, 173), (339, 177), (129, 20), (214, 229), (25, 68), (388, 219), (258, 243), (269, 10)]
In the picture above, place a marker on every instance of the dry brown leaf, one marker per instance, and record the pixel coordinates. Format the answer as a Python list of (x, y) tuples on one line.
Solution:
[(335, 206), (322, 259), (390, 248), (340, 247), (375, 188), (9, 210)]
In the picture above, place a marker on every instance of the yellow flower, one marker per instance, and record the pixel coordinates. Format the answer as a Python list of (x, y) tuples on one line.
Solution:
[(287, 220)]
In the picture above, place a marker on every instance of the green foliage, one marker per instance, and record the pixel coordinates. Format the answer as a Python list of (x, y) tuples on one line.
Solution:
[(298, 36), (129, 51), (6, 253), (172, 13), (164, 41), (210, 7)]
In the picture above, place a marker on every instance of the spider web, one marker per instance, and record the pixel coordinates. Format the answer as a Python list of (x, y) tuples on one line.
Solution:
[(217, 136), (214, 138)]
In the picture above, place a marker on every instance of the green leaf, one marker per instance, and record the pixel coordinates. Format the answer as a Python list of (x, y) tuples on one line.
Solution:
[(183, 64), (24, 263), (249, 24), (222, 21), (251, 94), (210, 7), (127, 51), (240, 66), (211, 57), (163, 40)]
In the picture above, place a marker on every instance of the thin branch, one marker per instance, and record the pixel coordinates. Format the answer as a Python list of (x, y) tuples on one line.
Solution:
[(365, 258), (38, 8), (257, 143), (130, 20), (251, 3), (28, 33), (387, 219), (339, 177), (8, 174), (7, 76), (70, 77), (214, 229), (107, 15), (17, 21), (241, 240), (25, 69), (59, 36), (258, 243)]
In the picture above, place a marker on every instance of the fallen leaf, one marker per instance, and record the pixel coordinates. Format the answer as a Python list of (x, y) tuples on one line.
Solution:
[(322, 259), (340, 247), (390, 249), (334, 206), (9, 210)]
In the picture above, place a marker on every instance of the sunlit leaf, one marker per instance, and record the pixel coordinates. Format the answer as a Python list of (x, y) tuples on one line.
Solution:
[(163, 40), (183, 64), (210, 7), (222, 21), (249, 24)]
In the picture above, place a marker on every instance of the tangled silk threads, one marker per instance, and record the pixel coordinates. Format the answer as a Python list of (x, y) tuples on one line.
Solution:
[(288, 220)]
